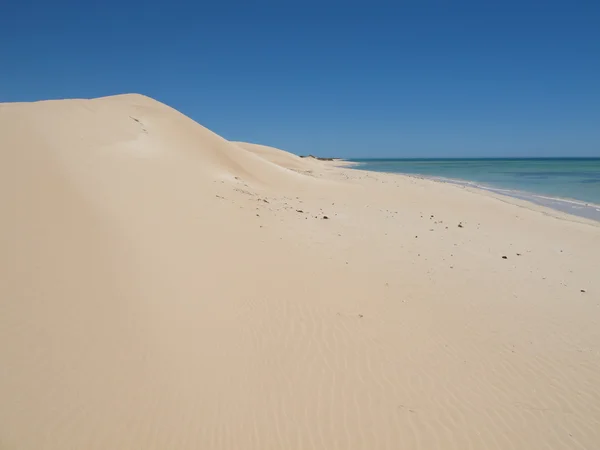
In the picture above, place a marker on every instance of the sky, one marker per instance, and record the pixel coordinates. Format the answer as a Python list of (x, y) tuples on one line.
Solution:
[(350, 79)]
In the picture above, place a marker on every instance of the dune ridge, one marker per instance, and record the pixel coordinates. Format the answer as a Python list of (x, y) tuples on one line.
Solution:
[(279, 157), (163, 287)]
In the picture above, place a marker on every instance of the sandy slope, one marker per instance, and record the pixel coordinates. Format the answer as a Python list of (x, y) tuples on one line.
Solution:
[(165, 288), (280, 157)]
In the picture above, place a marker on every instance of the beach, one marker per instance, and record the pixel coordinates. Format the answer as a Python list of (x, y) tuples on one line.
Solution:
[(164, 287), (570, 185)]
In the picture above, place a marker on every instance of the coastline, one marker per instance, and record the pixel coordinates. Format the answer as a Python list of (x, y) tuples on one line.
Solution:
[(555, 206)]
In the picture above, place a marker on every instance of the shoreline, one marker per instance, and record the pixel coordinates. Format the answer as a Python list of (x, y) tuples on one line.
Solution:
[(573, 207)]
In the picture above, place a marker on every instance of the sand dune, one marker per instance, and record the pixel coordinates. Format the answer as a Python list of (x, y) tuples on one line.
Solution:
[(279, 157), (163, 287)]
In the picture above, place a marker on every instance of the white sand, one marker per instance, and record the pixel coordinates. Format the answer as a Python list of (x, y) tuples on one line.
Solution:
[(160, 290)]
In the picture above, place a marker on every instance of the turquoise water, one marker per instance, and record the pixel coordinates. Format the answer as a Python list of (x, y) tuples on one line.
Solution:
[(550, 181)]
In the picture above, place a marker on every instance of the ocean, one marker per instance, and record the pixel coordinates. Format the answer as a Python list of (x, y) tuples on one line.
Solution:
[(567, 184)]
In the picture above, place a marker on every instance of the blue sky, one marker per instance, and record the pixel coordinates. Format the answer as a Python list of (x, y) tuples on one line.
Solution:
[(351, 79)]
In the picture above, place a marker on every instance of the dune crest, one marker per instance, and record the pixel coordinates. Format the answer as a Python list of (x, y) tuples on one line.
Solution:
[(134, 126), (279, 157)]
